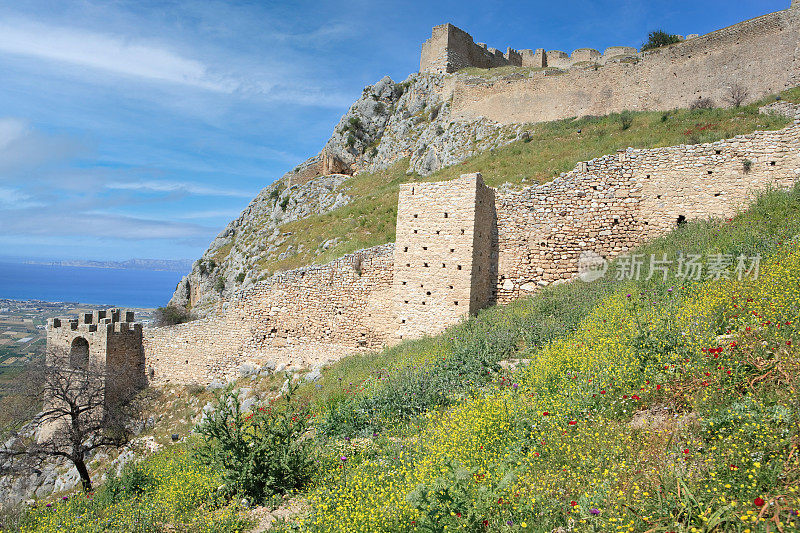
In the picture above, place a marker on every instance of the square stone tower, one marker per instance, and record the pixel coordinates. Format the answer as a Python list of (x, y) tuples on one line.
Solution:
[(445, 258), (107, 340)]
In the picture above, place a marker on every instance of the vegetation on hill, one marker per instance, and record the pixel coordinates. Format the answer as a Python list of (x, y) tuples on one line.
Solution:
[(640, 405), (659, 38), (550, 149)]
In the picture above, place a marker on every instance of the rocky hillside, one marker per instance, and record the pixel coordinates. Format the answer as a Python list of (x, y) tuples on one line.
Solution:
[(390, 123)]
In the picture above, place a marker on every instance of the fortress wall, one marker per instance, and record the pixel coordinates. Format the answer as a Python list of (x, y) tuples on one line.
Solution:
[(301, 317), (759, 54), (612, 204), (450, 49)]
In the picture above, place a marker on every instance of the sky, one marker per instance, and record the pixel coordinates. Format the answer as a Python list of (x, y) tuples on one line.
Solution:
[(141, 128)]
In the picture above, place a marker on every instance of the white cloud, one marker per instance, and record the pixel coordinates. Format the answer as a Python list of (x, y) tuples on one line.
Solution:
[(11, 129), (219, 213), (111, 53), (176, 186), (14, 198)]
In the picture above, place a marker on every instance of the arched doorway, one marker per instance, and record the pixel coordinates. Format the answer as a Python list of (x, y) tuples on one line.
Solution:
[(79, 353)]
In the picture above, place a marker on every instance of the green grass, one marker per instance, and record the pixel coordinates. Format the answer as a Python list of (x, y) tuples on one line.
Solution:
[(553, 148)]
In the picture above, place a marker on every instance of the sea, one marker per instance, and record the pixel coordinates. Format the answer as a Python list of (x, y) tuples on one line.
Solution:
[(88, 285)]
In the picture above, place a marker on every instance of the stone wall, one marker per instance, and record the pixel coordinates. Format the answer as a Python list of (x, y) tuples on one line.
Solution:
[(462, 245), (301, 317), (450, 49), (661, 79), (614, 203), (442, 253)]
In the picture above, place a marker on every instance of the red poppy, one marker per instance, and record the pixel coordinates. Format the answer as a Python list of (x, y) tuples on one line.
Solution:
[(573, 503), (573, 422), (758, 502), (686, 450), (545, 413)]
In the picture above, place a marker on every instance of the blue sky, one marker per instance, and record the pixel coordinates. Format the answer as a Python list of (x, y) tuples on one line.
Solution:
[(140, 128)]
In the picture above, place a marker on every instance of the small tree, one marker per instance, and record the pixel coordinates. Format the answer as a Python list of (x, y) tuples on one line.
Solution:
[(736, 94), (77, 417), (659, 38)]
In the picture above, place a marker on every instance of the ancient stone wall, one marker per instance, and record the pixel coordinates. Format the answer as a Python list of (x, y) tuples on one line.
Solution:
[(450, 49), (760, 55), (614, 203), (301, 317), (442, 251), (462, 245)]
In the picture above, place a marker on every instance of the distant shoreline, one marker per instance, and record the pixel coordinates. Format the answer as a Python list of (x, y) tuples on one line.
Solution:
[(157, 265)]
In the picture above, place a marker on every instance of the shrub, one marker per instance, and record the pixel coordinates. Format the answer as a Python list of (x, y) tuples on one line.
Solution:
[(379, 108), (351, 140), (702, 103), (659, 38), (258, 454), (240, 277), (355, 123), (736, 94), (625, 120), (219, 284), (171, 315), (284, 203), (746, 166)]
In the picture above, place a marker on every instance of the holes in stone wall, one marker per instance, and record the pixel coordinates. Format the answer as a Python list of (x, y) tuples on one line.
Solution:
[(79, 353), (459, 267), (424, 247), (425, 265), (404, 282), (445, 215), (772, 163), (416, 216), (616, 222), (462, 232), (449, 286), (428, 293), (423, 302), (415, 231), (452, 250), (718, 151), (680, 221), (405, 248), (710, 172), (444, 265), (716, 194), (437, 232), (455, 302)]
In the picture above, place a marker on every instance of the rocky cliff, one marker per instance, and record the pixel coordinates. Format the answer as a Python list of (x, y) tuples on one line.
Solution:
[(391, 122)]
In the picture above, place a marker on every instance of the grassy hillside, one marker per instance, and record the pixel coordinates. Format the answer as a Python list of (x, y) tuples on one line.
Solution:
[(634, 406), (552, 148)]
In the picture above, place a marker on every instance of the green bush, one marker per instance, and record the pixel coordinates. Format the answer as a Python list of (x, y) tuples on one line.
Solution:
[(171, 315), (284, 203), (240, 277), (258, 454), (625, 120), (219, 284), (659, 38)]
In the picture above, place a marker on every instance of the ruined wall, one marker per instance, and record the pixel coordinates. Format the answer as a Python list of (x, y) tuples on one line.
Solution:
[(760, 54), (442, 248), (462, 245), (614, 203), (301, 317), (450, 49)]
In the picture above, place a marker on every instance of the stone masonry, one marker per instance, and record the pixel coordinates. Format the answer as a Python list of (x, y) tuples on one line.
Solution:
[(508, 243), (109, 340), (762, 55), (442, 253)]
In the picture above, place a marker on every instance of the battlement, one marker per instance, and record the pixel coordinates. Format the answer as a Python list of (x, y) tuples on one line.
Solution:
[(450, 49), (108, 339)]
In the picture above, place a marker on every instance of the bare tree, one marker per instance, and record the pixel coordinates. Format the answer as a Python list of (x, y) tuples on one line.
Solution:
[(79, 415), (736, 94)]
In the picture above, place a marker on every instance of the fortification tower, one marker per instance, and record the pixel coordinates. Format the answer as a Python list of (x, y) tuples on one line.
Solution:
[(445, 253), (109, 340)]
